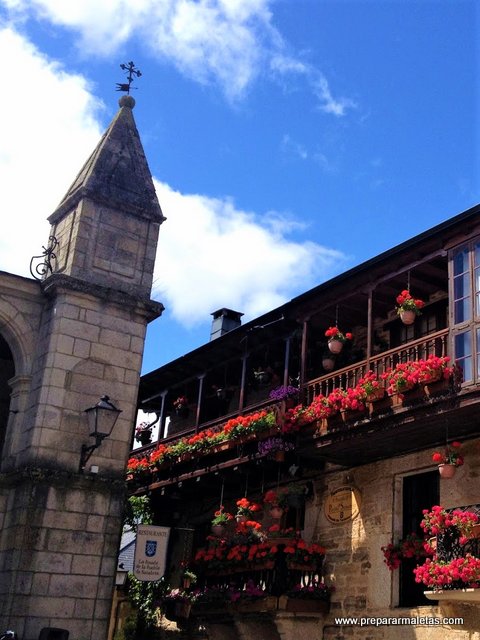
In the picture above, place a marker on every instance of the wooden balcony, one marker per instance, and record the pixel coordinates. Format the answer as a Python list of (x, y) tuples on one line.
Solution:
[(422, 421), (434, 344)]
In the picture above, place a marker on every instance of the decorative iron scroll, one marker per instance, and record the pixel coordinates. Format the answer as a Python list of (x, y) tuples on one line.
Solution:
[(44, 264)]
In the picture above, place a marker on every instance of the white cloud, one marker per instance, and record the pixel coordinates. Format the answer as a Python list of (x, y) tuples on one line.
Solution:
[(213, 255), (228, 42), (48, 131)]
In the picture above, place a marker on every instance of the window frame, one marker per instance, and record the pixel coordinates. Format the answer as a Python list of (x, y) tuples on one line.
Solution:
[(472, 324)]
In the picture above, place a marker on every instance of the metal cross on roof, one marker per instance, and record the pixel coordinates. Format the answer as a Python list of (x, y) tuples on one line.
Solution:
[(130, 69)]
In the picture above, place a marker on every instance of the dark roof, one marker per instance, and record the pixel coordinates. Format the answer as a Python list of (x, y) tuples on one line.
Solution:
[(424, 255)]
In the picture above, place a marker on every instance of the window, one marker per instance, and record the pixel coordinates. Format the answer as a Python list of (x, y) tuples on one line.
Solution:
[(465, 294), (420, 491)]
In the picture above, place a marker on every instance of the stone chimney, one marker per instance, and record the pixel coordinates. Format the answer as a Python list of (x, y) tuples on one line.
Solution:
[(224, 320)]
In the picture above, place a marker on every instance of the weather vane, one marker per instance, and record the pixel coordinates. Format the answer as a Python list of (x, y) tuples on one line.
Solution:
[(130, 69)]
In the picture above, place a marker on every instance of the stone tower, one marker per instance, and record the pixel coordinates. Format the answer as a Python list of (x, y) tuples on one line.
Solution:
[(75, 336)]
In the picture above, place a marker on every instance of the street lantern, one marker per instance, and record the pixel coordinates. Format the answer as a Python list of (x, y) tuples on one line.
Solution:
[(101, 420)]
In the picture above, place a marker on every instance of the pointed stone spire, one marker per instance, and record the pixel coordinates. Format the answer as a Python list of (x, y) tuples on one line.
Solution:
[(107, 224), (117, 172)]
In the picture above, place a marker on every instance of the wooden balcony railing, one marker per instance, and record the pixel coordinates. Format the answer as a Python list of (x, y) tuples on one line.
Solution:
[(433, 344)]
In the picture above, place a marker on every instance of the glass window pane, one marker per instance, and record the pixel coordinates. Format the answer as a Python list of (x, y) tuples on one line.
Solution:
[(462, 310), (463, 344), (477, 254), (461, 286), (477, 279), (460, 262), (465, 365)]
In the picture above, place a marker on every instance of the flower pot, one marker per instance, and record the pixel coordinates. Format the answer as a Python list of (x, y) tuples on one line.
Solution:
[(407, 317), (182, 412), (144, 438), (376, 395), (241, 518), (447, 470), (186, 583), (279, 456), (335, 346), (328, 364), (218, 529), (276, 512)]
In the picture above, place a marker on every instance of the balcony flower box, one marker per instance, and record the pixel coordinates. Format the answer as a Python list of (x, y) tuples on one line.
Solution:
[(463, 595), (259, 605)]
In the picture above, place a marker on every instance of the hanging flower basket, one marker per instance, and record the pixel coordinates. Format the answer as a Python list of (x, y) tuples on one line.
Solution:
[(328, 363), (447, 471), (336, 339), (408, 307), (407, 317), (448, 460), (218, 529), (335, 346), (276, 512)]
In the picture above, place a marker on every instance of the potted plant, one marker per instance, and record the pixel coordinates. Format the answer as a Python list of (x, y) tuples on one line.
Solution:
[(275, 447), (311, 598), (408, 308), (328, 362), (336, 339), (181, 406), (188, 578), (288, 394), (412, 546), (246, 510), (372, 387), (220, 520), (277, 502), (143, 433), (403, 377), (450, 568), (448, 460)]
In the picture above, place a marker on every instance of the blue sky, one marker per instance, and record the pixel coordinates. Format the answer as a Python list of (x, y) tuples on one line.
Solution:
[(289, 140)]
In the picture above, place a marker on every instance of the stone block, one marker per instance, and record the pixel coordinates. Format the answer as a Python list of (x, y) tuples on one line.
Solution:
[(65, 520), (108, 566), (72, 586), (95, 524), (86, 565), (46, 562), (75, 542), (40, 583), (84, 609), (115, 339), (81, 348), (52, 607)]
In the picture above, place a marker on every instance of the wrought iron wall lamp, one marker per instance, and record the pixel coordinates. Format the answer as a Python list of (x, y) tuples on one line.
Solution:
[(101, 420)]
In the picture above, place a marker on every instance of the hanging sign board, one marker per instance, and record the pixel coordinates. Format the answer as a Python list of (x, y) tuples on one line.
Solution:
[(150, 552), (342, 504)]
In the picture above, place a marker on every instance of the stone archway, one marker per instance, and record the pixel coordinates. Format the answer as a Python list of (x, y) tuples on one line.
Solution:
[(7, 371)]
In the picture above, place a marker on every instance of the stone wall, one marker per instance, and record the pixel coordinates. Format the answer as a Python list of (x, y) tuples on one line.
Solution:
[(364, 586), (59, 543)]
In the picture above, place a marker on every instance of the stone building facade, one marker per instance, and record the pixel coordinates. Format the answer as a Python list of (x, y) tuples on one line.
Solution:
[(366, 469), (66, 339)]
